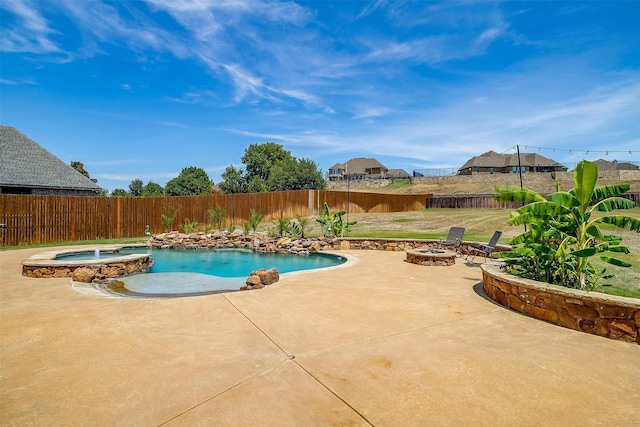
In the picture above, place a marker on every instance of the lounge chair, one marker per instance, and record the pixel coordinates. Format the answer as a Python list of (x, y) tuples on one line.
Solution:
[(484, 249), (454, 238)]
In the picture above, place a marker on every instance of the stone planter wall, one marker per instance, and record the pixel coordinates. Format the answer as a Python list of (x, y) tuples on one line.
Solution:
[(591, 312)]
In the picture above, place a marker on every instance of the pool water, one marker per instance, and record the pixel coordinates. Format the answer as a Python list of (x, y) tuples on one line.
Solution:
[(193, 272), (231, 262), (90, 255)]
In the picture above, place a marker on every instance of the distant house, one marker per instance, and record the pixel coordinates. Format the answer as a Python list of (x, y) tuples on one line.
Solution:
[(605, 165), (492, 162), (27, 168), (397, 174), (363, 168)]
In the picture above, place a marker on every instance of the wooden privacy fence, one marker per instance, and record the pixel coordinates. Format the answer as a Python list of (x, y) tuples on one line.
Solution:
[(32, 219), (482, 201), (486, 201)]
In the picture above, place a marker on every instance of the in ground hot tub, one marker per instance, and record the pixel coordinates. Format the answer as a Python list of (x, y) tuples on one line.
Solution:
[(87, 265)]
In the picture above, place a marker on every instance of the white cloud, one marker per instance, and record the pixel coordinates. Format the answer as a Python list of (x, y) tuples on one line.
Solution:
[(31, 32)]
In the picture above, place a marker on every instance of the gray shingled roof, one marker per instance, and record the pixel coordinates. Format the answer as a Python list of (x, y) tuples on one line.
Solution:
[(359, 165), (24, 163), (493, 159)]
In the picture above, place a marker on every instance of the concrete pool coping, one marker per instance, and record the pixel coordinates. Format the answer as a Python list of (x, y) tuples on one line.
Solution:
[(383, 342), (48, 258)]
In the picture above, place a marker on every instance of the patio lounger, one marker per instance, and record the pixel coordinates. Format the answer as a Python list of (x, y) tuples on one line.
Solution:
[(484, 249), (454, 238)]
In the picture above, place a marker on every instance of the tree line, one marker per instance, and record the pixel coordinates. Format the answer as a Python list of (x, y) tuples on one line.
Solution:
[(267, 167)]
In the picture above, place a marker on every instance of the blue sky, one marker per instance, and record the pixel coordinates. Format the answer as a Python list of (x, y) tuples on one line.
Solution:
[(142, 89)]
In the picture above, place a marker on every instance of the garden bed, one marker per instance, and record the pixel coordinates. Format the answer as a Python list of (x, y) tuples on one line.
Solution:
[(596, 313)]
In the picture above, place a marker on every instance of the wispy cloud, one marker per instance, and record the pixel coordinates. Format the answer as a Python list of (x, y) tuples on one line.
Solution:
[(29, 31)]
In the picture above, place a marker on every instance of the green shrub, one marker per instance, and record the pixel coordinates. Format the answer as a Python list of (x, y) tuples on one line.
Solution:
[(217, 214), (562, 236), (168, 216), (189, 226)]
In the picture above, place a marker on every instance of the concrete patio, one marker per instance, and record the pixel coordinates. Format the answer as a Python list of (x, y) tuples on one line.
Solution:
[(383, 342)]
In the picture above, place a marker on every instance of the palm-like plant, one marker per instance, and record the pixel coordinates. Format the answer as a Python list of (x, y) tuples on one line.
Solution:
[(563, 236), (333, 223), (254, 219)]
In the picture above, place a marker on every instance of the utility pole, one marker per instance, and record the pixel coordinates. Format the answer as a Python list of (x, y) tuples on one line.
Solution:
[(519, 165), (520, 173)]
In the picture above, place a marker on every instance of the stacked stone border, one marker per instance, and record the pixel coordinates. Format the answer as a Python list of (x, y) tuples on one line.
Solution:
[(595, 313), (301, 246), (44, 265), (431, 257)]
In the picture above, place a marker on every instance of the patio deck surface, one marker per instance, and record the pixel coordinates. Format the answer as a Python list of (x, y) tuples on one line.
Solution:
[(383, 342)]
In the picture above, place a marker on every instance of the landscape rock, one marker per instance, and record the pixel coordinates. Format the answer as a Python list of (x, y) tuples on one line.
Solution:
[(83, 274)]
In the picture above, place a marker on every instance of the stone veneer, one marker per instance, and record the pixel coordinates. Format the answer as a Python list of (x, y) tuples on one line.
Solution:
[(431, 257), (44, 265), (596, 313), (296, 245)]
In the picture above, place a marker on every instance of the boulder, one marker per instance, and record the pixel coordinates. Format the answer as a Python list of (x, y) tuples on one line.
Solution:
[(260, 278), (253, 280), (83, 274), (267, 277)]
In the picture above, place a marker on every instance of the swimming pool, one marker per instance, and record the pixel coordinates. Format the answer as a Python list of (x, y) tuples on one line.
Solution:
[(140, 271), (187, 272)]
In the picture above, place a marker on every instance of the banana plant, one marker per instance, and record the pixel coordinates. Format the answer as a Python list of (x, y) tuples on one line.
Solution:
[(333, 223), (562, 222)]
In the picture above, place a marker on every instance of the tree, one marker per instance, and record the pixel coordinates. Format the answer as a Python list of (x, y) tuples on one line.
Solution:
[(295, 174), (310, 176), (269, 167), (152, 190), (192, 181), (563, 235), (257, 185), (135, 188), (80, 168), (258, 159), (119, 192), (233, 181)]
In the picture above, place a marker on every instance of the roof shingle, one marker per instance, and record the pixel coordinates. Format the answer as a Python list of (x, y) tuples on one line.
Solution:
[(24, 163)]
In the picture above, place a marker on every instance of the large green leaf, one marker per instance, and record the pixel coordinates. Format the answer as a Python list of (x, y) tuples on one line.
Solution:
[(585, 177), (594, 230), (516, 194), (607, 205), (621, 221), (615, 261), (619, 248), (564, 198), (601, 193), (543, 209), (585, 253)]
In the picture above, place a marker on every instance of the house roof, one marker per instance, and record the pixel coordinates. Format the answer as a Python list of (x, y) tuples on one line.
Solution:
[(491, 159), (397, 173), (24, 163), (359, 165), (614, 165)]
